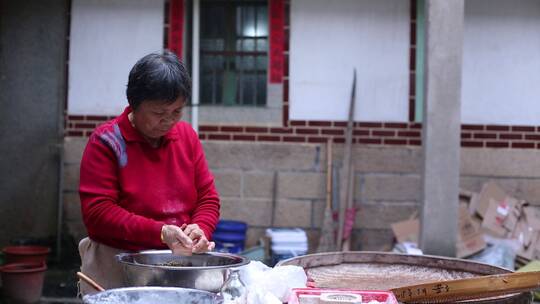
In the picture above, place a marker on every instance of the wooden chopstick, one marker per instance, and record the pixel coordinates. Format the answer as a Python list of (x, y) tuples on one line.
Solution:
[(91, 282)]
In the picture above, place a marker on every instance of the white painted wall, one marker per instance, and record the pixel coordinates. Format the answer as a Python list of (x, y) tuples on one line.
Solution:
[(501, 62), (107, 38), (329, 38)]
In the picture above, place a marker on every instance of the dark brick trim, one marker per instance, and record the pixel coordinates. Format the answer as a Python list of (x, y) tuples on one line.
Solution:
[(371, 133)]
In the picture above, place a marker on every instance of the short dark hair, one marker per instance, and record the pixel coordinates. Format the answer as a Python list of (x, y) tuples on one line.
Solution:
[(158, 77)]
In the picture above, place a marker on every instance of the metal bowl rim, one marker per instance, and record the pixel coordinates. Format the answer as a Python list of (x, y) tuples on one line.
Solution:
[(149, 288), (152, 288), (373, 253), (243, 260)]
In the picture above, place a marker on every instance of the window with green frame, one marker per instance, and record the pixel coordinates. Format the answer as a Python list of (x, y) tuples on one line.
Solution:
[(233, 52)]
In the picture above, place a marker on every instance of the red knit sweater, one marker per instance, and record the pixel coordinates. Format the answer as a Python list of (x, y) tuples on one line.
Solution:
[(129, 190)]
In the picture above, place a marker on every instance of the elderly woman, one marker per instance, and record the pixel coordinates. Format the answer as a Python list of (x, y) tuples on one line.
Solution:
[(145, 183)]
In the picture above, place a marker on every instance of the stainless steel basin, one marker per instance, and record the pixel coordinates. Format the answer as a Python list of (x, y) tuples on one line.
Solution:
[(205, 271), (145, 295)]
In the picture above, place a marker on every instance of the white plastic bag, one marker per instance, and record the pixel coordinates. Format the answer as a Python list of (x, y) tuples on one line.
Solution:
[(257, 295), (280, 280), (252, 271), (267, 284), (499, 252)]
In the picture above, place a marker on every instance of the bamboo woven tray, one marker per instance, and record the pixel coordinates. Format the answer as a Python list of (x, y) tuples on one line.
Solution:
[(384, 271)]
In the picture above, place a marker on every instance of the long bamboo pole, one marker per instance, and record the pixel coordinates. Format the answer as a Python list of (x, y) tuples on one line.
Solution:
[(327, 239), (346, 169)]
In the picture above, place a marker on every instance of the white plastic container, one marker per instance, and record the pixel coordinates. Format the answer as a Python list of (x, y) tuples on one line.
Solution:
[(287, 242), (287, 235)]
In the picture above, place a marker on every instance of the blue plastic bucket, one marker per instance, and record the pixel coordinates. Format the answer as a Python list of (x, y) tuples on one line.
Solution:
[(230, 236), (229, 242), (231, 226)]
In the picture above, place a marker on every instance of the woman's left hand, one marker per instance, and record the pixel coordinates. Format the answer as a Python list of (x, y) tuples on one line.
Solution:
[(200, 242)]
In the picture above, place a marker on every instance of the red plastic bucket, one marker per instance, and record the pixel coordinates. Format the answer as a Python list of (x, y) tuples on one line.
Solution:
[(26, 254), (23, 282)]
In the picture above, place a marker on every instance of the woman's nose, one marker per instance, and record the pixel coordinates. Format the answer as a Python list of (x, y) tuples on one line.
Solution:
[(170, 119)]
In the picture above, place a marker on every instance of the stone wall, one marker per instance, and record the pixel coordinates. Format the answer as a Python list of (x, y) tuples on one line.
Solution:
[(387, 184)]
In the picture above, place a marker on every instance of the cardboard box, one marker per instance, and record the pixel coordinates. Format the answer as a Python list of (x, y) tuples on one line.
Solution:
[(470, 240), (465, 196), (470, 246), (532, 217), (531, 252), (501, 216), (473, 205), (512, 218), (490, 191), (491, 211), (527, 232), (407, 231), (523, 233), (466, 227)]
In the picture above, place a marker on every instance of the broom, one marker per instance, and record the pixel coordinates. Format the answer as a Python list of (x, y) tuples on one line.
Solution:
[(327, 239)]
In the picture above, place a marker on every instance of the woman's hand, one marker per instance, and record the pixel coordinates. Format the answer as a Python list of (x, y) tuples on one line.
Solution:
[(177, 240), (200, 242)]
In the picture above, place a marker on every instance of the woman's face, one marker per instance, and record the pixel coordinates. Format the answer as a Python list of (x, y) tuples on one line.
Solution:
[(155, 118)]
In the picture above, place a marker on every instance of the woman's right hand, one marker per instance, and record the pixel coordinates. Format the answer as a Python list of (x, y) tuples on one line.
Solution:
[(179, 242)]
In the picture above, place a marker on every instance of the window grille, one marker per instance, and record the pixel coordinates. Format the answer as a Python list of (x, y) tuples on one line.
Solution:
[(233, 53)]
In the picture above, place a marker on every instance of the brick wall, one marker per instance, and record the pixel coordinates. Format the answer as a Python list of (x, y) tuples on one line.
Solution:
[(492, 136), (83, 125), (372, 133)]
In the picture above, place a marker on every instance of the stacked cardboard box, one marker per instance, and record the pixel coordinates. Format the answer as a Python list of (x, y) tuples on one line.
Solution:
[(491, 212), (470, 239)]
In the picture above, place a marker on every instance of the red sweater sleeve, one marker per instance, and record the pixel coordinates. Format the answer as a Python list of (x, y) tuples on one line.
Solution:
[(206, 213), (106, 221)]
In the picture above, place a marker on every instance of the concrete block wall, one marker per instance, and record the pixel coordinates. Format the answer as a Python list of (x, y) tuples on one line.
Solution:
[(387, 184), (73, 149)]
